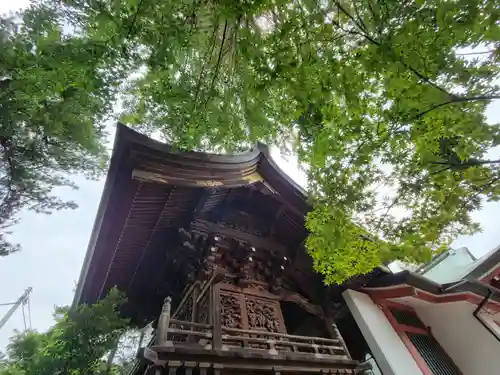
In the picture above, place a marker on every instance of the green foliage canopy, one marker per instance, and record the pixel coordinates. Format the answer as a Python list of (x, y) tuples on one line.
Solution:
[(76, 344), (54, 96), (383, 102)]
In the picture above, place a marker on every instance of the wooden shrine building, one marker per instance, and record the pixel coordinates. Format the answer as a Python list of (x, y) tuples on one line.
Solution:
[(211, 248)]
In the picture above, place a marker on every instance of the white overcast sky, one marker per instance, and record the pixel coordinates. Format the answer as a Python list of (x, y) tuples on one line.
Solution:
[(54, 246)]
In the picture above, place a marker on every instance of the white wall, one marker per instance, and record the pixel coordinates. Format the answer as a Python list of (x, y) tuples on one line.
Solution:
[(473, 349), (391, 354)]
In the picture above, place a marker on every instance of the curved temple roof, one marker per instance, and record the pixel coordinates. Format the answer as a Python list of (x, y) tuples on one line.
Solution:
[(150, 188)]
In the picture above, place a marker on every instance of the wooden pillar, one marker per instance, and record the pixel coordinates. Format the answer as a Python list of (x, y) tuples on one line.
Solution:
[(194, 311), (216, 319), (173, 366), (218, 369), (195, 295), (341, 339), (163, 323), (189, 367), (203, 366)]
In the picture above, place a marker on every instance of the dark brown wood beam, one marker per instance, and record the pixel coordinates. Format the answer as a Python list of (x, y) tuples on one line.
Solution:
[(225, 205), (239, 359), (276, 218), (204, 196), (256, 241), (153, 231)]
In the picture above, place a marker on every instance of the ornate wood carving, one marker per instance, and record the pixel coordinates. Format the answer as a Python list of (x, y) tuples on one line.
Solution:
[(230, 310), (259, 270), (263, 315), (257, 241), (261, 287), (252, 278), (209, 264)]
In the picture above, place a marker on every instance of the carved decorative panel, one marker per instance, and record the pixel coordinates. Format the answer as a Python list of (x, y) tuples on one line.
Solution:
[(263, 314), (208, 265), (258, 287), (230, 310), (264, 271)]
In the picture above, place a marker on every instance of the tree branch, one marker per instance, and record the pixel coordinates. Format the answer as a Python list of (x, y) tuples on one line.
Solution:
[(456, 100), (359, 16), (470, 163), (104, 11), (206, 57), (421, 76), (349, 15), (482, 189), (134, 18), (441, 170), (10, 200), (394, 202), (219, 58)]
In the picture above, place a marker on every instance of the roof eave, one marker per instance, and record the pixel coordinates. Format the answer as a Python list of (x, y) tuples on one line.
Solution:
[(119, 146), (127, 139), (420, 282)]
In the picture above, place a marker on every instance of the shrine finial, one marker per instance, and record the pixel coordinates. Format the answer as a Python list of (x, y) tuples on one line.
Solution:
[(167, 302)]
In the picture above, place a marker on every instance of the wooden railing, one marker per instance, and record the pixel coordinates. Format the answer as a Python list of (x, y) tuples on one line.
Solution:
[(189, 326), (172, 331), (183, 332), (275, 342), (190, 332)]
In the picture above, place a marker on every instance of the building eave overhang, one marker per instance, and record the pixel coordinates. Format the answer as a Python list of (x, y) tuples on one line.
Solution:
[(136, 157), (408, 284), (489, 265)]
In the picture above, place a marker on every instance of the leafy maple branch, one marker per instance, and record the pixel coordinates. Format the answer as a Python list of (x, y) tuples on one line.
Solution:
[(134, 18), (372, 40), (344, 105), (457, 100), (219, 57), (467, 163), (207, 56)]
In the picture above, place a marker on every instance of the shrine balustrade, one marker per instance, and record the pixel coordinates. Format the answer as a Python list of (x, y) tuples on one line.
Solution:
[(223, 316)]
